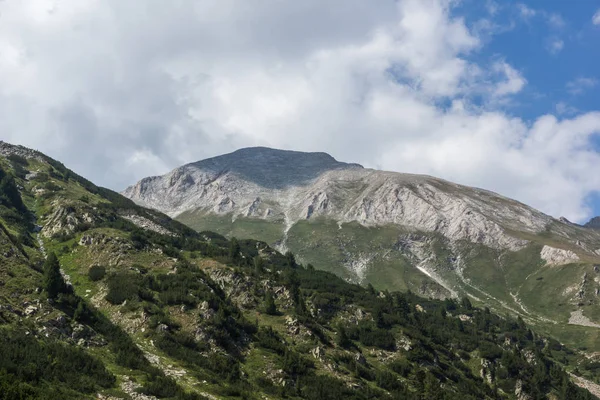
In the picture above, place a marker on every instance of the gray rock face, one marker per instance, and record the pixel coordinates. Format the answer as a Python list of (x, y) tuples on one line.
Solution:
[(291, 186), (7, 149), (594, 223), (555, 256)]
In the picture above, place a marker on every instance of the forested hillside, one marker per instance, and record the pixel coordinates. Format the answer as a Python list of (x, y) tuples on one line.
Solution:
[(102, 298)]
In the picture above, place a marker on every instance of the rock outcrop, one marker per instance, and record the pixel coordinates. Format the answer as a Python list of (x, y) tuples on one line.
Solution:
[(554, 256), (292, 186), (594, 223)]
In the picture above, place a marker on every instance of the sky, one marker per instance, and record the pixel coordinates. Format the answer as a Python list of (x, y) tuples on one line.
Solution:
[(503, 95)]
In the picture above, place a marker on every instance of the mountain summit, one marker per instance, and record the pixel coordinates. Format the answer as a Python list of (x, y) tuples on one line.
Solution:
[(594, 223), (394, 230), (104, 299), (290, 186), (273, 168)]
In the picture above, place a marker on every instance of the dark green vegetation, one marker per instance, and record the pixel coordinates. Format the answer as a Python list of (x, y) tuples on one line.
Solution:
[(180, 314), (38, 369), (517, 282)]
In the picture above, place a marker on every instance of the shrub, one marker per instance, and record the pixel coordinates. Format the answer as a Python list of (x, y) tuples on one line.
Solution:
[(123, 286), (270, 307), (54, 284), (96, 273)]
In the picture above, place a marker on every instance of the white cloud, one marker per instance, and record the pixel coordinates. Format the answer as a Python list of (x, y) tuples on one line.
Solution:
[(513, 83), (118, 94), (555, 20), (525, 11), (555, 46), (492, 7), (580, 85), (563, 108), (596, 18)]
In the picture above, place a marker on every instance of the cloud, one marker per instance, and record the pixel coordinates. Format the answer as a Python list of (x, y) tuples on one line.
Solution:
[(563, 108), (525, 11), (555, 20), (119, 94), (581, 85), (492, 7), (555, 45), (513, 82), (596, 18)]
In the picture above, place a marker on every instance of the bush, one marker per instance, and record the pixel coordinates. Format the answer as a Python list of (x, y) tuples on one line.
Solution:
[(270, 307), (54, 284), (32, 369), (269, 339), (96, 273), (123, 286)]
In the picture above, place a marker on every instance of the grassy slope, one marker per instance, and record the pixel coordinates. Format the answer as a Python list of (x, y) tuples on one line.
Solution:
[(120, 255), (514, 282)]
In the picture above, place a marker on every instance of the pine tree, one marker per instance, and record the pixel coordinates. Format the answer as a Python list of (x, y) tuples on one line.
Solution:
[(80, 313), (343, 340), (258, 265), (234, 251), (270, 307), (290, 259), (466, 303), (54, 284)]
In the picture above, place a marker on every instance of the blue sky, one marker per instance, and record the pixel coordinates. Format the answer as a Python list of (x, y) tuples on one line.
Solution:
[(553, 42), (502, 95), (556, 45)]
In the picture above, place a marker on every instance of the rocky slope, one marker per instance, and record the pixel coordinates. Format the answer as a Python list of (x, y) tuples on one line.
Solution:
[(594, 223), (397, 231), (100, 298), (289, 186), (292, 186)]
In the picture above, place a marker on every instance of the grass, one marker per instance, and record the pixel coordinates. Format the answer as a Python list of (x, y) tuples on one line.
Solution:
[(332, 247), (546, 291), (242, 228)]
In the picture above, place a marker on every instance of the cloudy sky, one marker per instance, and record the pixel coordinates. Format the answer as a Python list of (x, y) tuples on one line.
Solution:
[(497, 94)]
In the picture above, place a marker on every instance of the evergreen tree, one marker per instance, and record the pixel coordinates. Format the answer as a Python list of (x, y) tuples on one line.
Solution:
[(9, 193), (270, 307), (290, 259), (300, 308), (371, 289), (466, 303), (54, 284), (342, 339), (293, 283), (259, 265), (234, 251), (432, 388), (80, 313)]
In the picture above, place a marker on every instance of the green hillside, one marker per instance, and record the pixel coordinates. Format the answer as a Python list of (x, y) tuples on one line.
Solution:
[(519, 283), (100, 298)]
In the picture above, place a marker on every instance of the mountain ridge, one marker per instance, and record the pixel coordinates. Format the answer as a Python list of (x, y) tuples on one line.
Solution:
[(101, 298), (395, 231), (190, 187), (594, 223)]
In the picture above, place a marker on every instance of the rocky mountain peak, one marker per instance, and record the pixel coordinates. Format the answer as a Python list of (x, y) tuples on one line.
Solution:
[(594, 223), (286, 188), (7, 149), (272, 168)]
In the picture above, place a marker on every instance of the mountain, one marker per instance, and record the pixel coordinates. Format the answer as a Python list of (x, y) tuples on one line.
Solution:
[(101, 298), (288, 186), (594, 223), (395, 231)]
